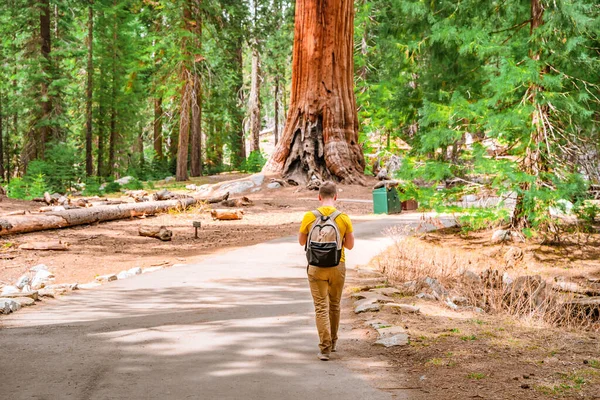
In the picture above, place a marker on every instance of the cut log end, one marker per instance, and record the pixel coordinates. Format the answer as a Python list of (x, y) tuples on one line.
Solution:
[(227, 215), (158, 232)]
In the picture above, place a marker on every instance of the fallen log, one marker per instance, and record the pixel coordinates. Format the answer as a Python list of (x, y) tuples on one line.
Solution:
[(227, 215), (158, 232), (53, 245), (47, 198), (18, 212), (62, 219)]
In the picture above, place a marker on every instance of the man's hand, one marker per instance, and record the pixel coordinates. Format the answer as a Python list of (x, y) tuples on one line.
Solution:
[(348, 240), (303, 237)]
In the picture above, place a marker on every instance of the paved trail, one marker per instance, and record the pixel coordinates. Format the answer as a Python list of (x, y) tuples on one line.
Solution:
[(236, 326)]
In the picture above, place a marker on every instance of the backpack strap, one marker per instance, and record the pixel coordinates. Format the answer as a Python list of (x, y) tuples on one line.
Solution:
[(333, 216), (318, 214)]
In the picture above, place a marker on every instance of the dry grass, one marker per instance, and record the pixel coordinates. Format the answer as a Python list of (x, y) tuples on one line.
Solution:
[(484, 283)]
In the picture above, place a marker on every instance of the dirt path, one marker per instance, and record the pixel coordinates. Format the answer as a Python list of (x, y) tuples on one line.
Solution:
[(237, 325)]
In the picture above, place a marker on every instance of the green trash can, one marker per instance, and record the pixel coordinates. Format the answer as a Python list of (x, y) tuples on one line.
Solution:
[(386, 201)]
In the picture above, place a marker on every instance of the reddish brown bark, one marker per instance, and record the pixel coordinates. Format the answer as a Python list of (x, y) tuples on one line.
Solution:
[(320, 138), (255, 102), (158, 139)]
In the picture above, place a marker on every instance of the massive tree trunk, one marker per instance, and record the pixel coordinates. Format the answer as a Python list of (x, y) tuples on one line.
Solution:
[(255, 101), (320, 138), (89, 166), (534, 161), (101, 122)]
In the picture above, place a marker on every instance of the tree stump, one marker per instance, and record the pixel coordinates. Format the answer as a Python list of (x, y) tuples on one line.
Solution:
[(158, 232)]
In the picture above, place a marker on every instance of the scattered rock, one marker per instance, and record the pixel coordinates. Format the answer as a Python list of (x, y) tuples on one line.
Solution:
[(90, 285), (63, 286), (470, 198), (397, 340), (169, 179), (501, 235), (438, 291), (513, 256), (9, 290), (191, 187), (39, 267), (8, 305), (106, 278), (151, 269), (507, 279), (568, 287), (47, 293), (125, 180), (42, 278), (525, 386), (24, 301), (387, 291), (407, 308), (129, 273), (563, 208), (273, 185), (22, 281), (459, 300), (236, 187), (426, 296), (32, 294), (367, 307), (257, 179), (376, 323), (450, 304)]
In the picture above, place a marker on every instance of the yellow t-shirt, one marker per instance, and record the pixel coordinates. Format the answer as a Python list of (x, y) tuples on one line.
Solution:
[(343, 222)]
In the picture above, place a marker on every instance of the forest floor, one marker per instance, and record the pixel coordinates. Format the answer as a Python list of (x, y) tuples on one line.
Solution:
[(111, 247), (465, 354), (451, 355)]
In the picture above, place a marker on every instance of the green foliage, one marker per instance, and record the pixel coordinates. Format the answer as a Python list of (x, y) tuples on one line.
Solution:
[(112, 187), (482, 97), (255, 162), (27, 188)]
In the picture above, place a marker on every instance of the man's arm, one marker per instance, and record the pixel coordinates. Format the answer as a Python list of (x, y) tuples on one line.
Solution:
[(348, 240), (302, 237)]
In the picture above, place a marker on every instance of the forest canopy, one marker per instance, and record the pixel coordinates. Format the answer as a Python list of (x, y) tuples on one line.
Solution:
[(501, 95)]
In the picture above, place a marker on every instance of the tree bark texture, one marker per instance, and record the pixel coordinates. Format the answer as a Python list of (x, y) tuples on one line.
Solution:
[(46, 102), (533, 163), (238, 141), (158, 116), (1, 140), (112, 141), (89, 166), (276, 108), (255, 101), (196, 140), (320, 138), (158, 232), (186, 101)]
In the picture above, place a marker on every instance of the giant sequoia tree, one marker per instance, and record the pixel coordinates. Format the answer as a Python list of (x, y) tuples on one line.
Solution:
[(320, 139)]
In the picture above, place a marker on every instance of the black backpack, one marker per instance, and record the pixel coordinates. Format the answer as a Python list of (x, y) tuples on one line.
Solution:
[(324, 242)]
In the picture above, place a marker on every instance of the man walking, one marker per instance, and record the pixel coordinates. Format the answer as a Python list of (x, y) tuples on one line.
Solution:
[(327, 268)]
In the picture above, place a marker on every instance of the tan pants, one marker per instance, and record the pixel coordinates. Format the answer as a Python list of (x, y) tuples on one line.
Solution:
[(326, 285)]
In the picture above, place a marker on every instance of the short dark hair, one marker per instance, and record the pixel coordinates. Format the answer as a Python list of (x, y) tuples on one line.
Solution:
[(327, 190)]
